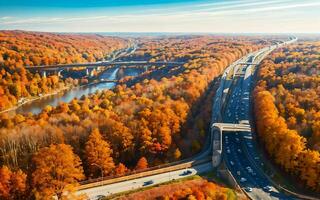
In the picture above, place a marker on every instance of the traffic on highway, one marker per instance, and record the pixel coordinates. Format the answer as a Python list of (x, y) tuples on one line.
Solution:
[(239, 149)]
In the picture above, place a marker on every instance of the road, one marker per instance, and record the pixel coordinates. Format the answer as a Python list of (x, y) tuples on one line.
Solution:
[(240, 151), (107, 190), (231, 105)]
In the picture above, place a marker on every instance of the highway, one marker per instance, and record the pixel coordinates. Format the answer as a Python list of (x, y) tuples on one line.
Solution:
[(230, 105), (134, 184), (239, 148)]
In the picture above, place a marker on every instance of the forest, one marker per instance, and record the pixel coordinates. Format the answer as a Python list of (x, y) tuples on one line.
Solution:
[(287, 110), (114, 132), (20, 48)]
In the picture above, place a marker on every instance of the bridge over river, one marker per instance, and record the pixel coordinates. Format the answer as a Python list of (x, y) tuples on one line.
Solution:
[(96, 66)]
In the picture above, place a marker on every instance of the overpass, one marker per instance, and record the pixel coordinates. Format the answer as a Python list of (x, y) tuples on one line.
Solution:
[(91, 67), (100, 64), (248, 63), (216, 131)]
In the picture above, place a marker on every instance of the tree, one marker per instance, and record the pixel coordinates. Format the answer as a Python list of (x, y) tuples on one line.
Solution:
[(98, 154), (121, 169), (57, 168), (177, 154), (19, 184), (5, 185), (12, 184), (142, 164)]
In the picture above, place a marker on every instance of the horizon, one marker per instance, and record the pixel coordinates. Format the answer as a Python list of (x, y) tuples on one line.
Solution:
[(169, 16)]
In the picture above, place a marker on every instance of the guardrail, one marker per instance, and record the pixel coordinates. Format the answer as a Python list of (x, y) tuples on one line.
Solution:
[(134, 175)]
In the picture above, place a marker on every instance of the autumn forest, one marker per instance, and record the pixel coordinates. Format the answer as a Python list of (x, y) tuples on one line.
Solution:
[(160, 116)]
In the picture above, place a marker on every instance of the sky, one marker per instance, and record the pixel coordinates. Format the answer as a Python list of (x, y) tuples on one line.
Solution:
[(199, 16)]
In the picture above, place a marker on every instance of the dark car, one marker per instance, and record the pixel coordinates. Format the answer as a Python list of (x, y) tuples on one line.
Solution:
[(187, 172), (148, 183)]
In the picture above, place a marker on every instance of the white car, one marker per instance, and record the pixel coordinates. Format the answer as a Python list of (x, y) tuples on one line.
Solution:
[(248, 189), (231, 163), (268, 188), (239, 150), (242, 180)]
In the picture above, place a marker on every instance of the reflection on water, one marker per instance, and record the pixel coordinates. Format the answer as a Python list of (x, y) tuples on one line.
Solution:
[(36, 106)]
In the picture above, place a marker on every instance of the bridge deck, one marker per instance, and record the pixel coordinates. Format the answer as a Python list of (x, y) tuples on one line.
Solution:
[(97, 64)]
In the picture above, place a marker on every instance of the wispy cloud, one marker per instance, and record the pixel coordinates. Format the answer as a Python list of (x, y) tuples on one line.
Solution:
[(204, 16)]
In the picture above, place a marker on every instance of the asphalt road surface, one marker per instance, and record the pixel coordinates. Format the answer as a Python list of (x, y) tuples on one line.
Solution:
[(107, 190), (239, 150)]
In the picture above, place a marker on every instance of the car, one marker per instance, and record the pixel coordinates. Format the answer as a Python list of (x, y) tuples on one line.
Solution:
[(238, 172), (231, 163), (148, 183), (100, 197), (239, 150), (187, 172), (237, 139), (248, 189), (228, 151), (242, 180), (267, 188)]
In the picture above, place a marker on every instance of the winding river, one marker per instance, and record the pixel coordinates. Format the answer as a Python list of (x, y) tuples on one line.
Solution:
[(36, 106)]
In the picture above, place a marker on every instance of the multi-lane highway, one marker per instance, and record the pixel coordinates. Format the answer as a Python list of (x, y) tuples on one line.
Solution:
[(231, 105), (239, 148)]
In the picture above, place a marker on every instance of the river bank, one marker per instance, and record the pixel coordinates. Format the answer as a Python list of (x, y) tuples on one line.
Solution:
[(31, 99), (35, 105)]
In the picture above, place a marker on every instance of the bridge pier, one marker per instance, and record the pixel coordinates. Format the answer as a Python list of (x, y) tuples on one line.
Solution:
[(44, 74), (217, 146), (146, 67), (59, 73), (90, 72), (87, 72)]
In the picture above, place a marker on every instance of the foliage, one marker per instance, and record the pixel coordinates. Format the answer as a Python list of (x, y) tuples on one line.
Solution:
[(160, 120), (287, 110), (20, 48), (57, 168)]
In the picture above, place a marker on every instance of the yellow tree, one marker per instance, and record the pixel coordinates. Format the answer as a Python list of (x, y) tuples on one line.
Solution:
[(57, 169), (98, 154), (309, 166)]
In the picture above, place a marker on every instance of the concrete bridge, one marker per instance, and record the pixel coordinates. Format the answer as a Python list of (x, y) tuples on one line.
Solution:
[(95, 66), (217, 130)]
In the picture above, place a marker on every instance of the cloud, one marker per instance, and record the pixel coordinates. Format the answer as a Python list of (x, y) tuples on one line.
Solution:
[(231, 16)]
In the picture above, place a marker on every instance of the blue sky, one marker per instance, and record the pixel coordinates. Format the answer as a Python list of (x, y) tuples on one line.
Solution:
[(215, 16)]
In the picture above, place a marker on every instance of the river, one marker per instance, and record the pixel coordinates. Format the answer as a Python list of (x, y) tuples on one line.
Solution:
[(36, 106)]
